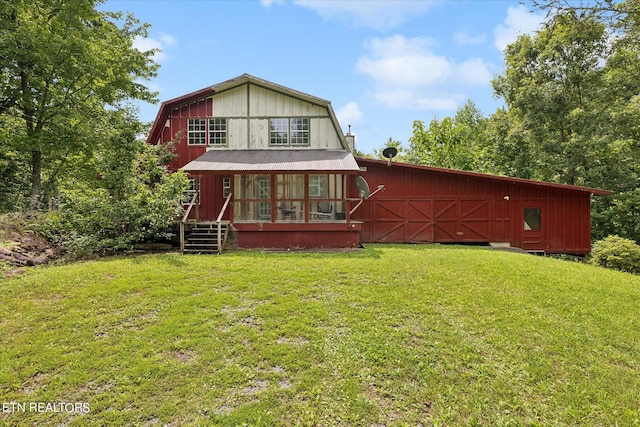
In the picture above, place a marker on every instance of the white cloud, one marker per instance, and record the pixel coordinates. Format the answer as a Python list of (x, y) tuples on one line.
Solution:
[(145, 44), (426, 100), (349, 114), (518, 21), (167, 39), (379, 14), (463, 38), (407, 74), (402, 62), (473, 72)]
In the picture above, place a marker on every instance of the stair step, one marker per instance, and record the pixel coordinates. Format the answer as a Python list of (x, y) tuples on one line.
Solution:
[(206, 230), (204, 237)]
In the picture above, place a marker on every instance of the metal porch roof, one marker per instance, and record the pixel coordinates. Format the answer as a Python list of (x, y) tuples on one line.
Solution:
[(309, 160)]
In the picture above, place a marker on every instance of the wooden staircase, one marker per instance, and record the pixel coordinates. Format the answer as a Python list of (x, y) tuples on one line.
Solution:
[(201, 237), (206, 237)]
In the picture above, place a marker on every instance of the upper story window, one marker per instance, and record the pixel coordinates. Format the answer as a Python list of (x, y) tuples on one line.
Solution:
[(197, 132), (217, 131), (211, 131), (289, 131)]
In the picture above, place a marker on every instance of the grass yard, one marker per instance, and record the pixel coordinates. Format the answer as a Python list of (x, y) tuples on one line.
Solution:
[(392, 335)]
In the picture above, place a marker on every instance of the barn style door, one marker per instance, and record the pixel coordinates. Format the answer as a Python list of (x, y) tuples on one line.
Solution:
[(428, 220), (400, 221), (462, 220)]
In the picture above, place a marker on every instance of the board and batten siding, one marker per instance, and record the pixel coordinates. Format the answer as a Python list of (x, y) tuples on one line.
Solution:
[(249, 108), (422, 204)]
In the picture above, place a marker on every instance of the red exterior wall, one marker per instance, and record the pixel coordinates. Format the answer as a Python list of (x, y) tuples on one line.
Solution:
[(211, 199), (294, 236), (177, 122), (422, 205)]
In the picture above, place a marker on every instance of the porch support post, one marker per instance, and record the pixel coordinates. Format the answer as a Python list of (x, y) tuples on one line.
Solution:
[(199, 197), (181, 236)]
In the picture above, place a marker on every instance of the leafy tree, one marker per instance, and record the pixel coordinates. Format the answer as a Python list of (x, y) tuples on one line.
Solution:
[(549, 85), (61, 64), (572, 98), (457, 143), (126, 195), (14, 166), (615, 12)]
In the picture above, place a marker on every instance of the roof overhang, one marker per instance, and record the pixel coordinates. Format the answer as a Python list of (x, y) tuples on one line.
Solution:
[(284, 160), (478, 175)]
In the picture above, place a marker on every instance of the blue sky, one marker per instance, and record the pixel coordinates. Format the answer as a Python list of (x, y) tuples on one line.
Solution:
[(382, 64)]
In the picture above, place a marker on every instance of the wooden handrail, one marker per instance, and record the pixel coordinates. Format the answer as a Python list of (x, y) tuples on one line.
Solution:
[(224, 208), (219, 221), (193, 202)]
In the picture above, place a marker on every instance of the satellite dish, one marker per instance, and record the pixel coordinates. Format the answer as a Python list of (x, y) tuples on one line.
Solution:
[(363, 187), (390, 153)]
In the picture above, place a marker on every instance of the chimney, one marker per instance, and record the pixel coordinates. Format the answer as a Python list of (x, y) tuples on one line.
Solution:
[(351, 140)]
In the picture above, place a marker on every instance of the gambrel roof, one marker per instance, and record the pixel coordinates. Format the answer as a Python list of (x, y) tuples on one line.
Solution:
[(167, 106)]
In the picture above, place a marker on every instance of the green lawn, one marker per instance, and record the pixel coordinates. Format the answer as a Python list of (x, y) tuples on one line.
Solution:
[(392, 335)]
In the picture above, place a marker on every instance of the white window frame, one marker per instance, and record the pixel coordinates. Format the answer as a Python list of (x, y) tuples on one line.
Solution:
[(299, 131), (318, 186), (197, 131), (187, 194), (289, 131), (226, 186), (217, 131)]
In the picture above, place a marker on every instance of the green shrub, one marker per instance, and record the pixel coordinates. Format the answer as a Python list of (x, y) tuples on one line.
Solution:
[(93, 221), (617, 253)]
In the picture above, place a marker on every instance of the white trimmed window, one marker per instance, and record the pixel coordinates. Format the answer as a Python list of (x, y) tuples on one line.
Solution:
[(289, 131), (318, 186), (299, 131), (279, 131), (226, 186), (217, 131), (211, 131), (187, 195), (197, 132)]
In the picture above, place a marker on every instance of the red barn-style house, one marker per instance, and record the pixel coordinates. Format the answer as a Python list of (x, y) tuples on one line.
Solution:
[(272, 165), (427, 204)]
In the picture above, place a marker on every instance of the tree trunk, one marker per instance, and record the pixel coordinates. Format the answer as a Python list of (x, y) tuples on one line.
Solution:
[(36, 180)]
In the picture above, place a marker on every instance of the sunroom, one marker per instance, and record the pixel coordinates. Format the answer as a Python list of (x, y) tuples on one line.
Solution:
[(289, 197), (283, 198)]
